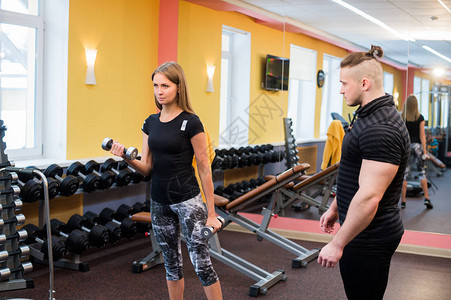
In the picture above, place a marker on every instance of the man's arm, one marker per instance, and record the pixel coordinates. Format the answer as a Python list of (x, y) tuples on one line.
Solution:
[(374, 179)]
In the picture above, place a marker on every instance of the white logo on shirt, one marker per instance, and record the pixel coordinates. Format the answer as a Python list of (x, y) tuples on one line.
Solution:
[(184, 125)]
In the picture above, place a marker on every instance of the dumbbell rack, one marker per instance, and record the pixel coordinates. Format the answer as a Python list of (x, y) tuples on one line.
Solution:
[(291, 156), (15, 280)]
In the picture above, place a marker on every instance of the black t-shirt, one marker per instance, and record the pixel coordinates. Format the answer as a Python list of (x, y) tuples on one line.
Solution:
[(173, 179), (378, 134), (414, 129)]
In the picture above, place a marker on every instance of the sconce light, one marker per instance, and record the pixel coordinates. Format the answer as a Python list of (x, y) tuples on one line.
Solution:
[(210, 73), (395, 98), (90, 60)]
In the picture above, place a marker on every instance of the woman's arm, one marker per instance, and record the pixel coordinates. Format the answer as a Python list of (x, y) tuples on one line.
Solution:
[(423, 137), (199, 143), (143, 166)]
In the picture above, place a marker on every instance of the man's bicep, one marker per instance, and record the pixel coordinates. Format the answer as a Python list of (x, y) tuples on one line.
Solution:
[(376, 176)]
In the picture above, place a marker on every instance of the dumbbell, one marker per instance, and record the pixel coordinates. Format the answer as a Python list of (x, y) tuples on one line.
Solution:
[(25, 267), (76, 241), (30, 190), (20, 235), (18, 219), (131, 153), (97, 235), (128, 227), (207, 231), (67, 185), (23, 251), (106, 178), (35, 236), (123, 177), (52, 184), (114, 230), (90, 182), (17, 205), (13, 190), (124, 211), (135, 175)]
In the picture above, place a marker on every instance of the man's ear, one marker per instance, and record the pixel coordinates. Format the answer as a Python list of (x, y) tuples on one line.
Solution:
[(365, 84)]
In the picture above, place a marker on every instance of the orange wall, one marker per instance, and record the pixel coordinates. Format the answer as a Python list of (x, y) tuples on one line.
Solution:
[(125, 33)]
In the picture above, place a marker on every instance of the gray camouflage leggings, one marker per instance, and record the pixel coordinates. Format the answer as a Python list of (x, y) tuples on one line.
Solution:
[(191, 215)]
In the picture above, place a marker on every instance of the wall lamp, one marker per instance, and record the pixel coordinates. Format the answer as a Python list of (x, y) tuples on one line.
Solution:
[(90, 61), (210, 73)]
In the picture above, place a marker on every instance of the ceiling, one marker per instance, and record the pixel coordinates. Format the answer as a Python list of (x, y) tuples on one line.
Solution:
[(411, 22)]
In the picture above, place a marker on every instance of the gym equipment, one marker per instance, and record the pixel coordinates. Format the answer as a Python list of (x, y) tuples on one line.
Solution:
[(23, 252), (67, 185), (20, 236), (291, 153), (123, 177), (308, 189), (124, 211), (76, 241), (207, 232), (114, 230), (12, 269), (136, 176), (39, 246), (264, 280), (131, 153), (155, 257), (230, 212), (25, 267), (106, 178), (97, 235), (128, 227), (30, 190), (17, 205), (90, 181), (33, 190), (18, 220)]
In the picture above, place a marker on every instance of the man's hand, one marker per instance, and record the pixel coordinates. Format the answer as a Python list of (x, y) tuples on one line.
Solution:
[(330, 255), (327, 221)]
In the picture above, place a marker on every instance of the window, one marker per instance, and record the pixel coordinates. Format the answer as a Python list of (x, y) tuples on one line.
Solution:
[(21, 52), (424, 99), (388, 83), (302, 92), (235, 88), (33, 82), (421, 91), (332, 100)]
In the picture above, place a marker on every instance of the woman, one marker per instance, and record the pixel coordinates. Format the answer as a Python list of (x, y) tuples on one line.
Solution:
[(170, 139), (415, 125)]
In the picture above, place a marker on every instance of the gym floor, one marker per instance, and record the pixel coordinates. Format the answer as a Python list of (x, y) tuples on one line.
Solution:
[(110, 277)]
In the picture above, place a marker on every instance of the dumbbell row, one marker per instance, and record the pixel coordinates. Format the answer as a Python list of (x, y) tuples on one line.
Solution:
[(235, 190), (30, 189), (246, 160)]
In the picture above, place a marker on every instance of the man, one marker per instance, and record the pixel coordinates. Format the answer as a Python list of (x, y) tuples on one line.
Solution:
[(375, 153)]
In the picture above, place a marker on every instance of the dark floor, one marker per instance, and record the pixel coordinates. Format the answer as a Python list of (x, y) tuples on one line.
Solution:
[(110, 277), (415, 216)]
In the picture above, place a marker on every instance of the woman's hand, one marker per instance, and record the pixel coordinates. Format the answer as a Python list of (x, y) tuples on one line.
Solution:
[(212, 221), (118, 149)]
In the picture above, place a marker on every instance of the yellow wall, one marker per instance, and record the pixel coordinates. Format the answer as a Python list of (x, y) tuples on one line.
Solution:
[(199, 44), (125, 33)]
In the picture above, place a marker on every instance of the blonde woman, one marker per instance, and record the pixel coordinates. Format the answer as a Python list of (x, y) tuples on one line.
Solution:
[(170, 140), (415, 124)]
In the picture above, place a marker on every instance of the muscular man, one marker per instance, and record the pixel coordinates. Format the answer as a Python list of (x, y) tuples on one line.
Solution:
[(375, 153)]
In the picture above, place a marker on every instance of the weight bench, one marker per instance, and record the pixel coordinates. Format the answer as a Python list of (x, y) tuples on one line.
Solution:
[(264, 279), (307, 190), (230, 213)]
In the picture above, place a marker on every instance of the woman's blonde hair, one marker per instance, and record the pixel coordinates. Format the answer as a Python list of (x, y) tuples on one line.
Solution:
[(410, 112), (174, 72)]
